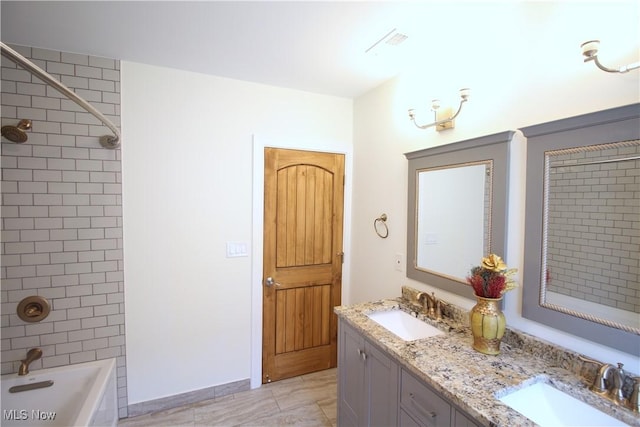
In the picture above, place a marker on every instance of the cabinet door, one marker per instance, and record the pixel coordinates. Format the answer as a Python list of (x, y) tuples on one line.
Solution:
[(461, 420), (367, 382), (351, 381), (382, 384)]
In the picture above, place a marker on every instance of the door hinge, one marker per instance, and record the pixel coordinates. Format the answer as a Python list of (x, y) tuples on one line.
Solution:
[(341, 255)]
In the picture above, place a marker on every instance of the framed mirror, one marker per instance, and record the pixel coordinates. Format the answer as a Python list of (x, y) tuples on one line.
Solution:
[(582, 226), (443, 221), (457, 206)]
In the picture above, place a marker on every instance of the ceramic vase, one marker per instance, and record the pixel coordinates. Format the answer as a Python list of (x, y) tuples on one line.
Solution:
[(487, 325)]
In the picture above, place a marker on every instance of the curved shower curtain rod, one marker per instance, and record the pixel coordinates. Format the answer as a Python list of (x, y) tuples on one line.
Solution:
[(107, 140)]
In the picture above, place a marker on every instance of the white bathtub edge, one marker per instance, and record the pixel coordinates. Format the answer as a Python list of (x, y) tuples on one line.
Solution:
[(96, 394)]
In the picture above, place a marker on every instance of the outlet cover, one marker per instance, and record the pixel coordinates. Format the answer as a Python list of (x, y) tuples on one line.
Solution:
[(399, 262)]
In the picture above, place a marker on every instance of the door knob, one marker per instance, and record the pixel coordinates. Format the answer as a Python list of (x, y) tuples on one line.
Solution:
[(270, 282)]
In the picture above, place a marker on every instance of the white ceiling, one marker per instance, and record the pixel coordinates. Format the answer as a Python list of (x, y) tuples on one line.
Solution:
[(318, 46)]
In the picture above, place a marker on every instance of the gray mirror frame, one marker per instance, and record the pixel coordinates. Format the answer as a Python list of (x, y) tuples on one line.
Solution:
[(608, 126), (492, 147)]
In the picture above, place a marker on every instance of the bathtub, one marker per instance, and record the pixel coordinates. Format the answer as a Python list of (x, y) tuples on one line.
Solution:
[(81, 395)]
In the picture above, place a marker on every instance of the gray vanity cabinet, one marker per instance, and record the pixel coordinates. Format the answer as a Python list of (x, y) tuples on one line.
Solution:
[(461, 420), (375, 390), (367, 382)]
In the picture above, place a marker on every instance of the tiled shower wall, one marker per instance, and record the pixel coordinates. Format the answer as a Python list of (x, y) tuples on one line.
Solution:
[(62, 215)]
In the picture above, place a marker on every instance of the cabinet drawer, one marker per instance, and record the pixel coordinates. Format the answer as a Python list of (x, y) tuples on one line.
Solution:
[(422, 403), (406, 420)]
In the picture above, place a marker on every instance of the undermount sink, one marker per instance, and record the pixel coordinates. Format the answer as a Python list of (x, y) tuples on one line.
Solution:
[(404, 325), (547, 406)]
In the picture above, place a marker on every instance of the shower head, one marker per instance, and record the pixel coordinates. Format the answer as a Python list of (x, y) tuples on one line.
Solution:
[(17, 133)]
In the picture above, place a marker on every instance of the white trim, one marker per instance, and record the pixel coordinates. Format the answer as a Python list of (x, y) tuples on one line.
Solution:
[(259, 145)]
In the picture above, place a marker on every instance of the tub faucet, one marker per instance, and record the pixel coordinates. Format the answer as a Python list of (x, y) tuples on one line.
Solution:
[(33, 354)]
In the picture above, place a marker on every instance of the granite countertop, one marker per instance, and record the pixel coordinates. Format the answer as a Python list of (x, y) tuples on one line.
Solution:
[(471, 380)]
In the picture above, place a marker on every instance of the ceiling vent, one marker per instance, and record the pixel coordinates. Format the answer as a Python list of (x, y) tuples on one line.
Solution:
[(392, 39)]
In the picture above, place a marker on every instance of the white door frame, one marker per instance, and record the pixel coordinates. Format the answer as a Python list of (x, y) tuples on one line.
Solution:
[(259, 144)]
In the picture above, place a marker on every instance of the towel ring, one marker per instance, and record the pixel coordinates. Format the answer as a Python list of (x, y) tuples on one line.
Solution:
[(380, 226)]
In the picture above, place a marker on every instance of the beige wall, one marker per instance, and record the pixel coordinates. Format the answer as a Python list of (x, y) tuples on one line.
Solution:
[(382, 133), (187, 190)]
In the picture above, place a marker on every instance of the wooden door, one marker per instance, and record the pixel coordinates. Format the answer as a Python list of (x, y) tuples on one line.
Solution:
[(302, 266)]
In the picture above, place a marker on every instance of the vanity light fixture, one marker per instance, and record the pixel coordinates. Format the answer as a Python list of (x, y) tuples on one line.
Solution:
[(443, 118), (590, 52)]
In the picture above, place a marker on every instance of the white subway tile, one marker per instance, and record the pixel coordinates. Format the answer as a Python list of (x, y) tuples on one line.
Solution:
[(49, 270), (63, 257), (64, 303), (61, 164), (50, 246), (95, 344), (32, 163), (79, 290), (55, 211), (75, 176), (39, 329), (47, 175), (21, 175), (66, 325), (84, 356), (32, 187), (63, 281), (76, 200), (18, 223), (54, 338), (77, 245), (80, 313), (54, 361), (107, 199), (89, 165), (47, 199), (18, 199)]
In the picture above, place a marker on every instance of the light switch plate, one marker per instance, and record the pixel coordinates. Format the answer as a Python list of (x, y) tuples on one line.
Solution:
[(237, 249)]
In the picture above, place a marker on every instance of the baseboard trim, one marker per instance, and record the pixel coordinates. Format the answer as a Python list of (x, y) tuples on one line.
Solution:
[(182, 399)]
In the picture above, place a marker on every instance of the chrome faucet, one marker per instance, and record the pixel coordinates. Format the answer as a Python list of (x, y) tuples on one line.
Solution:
[(432, 306), (33, 354), (609, 382), (615, 389), (634, 400), (601, 382)]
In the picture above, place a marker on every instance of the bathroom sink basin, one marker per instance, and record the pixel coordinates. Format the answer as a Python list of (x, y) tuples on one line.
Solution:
[(404, 325), (547, 406)]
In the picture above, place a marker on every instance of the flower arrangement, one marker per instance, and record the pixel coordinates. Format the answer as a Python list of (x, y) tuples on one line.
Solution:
[(492, 278)]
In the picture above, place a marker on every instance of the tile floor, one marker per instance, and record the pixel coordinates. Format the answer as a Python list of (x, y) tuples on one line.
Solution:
[(308, 400)]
